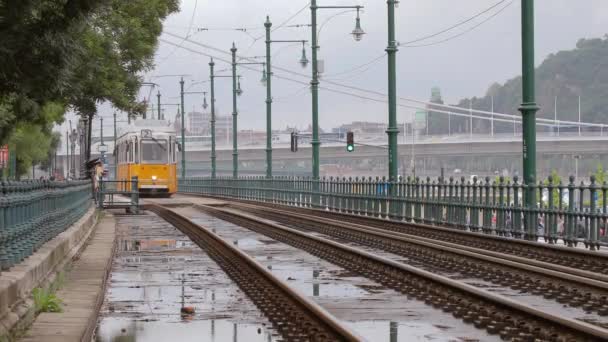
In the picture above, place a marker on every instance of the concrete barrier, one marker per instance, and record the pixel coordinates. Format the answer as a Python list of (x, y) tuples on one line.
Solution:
[(39, 270)]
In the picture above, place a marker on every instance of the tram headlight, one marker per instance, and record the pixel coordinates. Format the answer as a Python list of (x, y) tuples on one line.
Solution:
[(153, 178)]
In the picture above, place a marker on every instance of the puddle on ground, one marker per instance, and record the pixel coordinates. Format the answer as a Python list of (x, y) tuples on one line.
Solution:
[(366, 306), (127, 330), (157, 271)]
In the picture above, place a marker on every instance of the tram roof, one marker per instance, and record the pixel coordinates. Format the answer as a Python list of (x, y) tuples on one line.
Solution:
[(156, 126)]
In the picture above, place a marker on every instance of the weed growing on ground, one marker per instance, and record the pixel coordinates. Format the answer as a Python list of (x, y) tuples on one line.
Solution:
[(46, 301)]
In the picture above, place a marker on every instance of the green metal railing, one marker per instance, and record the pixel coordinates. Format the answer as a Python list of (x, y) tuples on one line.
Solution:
[(34, 212), (568, 214)]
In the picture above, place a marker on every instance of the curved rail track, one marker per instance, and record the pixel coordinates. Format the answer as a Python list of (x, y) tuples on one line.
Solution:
[(562, 284), (496, 314), (575, 258), (294, 316)]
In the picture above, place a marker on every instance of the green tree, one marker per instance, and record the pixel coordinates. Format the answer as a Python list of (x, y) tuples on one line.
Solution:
[(556, 181), (601, 177), (71, 54)]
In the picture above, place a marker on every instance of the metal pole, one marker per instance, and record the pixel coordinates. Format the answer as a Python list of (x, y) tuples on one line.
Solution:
[(471, 119), (212, 80), (555, 114), (181, 83), (449, 124), (492, 121), (528, 111), (115, 151), (392, 130), (314, 83), (268, 25), (579, 116), (159, 106), (67, 154), (72, 162), (103, 155), (235, 151), (413, 151)]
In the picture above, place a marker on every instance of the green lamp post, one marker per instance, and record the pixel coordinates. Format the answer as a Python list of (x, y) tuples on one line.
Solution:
[(392, 130), (528, 110), (358, 35), (181, 84), (268, 81)]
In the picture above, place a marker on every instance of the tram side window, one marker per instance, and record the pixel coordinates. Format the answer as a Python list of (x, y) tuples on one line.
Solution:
[(130, 152)]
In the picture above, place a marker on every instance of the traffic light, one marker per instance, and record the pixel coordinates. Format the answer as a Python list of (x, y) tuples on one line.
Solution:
[(350, 141), (294, 142)]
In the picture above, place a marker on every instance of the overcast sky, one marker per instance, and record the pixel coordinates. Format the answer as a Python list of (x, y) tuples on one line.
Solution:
[(462, 67)]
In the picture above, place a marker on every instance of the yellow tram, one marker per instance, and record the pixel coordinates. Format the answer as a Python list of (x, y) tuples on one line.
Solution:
[(148, 149)]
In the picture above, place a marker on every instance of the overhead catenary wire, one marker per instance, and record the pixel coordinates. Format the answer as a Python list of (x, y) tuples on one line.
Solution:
[(464, 32), (292, 17), (187, 34), (377, 93), (356, 68), (454, 26), (509, 118)]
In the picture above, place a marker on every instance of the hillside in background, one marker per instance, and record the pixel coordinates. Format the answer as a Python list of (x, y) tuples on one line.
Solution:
[(567, 74)]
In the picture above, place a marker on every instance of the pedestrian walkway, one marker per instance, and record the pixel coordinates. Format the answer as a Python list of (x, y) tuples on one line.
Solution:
[(83, 292)]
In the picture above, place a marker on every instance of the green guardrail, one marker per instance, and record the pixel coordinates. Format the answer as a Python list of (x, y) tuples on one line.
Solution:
[(117, 194), (34, 212), (568, 214)]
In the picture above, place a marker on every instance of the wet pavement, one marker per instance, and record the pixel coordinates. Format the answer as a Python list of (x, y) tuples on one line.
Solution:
[(157, 271), (372, 311)]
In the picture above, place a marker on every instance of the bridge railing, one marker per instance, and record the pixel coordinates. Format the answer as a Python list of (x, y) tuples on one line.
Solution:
[(568, 214), (34, 212)]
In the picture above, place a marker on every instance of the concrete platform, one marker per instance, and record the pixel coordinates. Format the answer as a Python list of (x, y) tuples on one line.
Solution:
[(82, 294), (16, 285)]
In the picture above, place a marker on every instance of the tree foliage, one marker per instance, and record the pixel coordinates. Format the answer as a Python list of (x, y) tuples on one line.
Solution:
[(71, 54)]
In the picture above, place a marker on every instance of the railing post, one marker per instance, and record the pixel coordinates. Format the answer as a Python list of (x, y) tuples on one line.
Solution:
[(134, 195), (592, 236)]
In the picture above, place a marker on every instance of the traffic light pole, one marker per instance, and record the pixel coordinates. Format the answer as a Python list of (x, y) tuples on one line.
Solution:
[(528, 111)]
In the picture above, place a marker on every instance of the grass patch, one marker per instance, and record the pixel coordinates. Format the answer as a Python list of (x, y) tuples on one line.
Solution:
[(46, 301)]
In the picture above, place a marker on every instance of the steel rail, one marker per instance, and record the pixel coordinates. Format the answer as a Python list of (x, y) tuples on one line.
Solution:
[(575, 258), (563, 284), (294, 316), (497, 314)]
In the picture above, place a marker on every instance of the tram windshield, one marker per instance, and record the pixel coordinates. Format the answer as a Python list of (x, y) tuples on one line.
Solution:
[(154, 151)]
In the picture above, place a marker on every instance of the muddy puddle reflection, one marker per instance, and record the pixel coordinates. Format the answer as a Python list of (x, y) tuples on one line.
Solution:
[(164, 288)]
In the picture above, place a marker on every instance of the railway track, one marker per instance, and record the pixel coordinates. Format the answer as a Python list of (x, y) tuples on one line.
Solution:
[(574, 258), (293, 315), (485, 310), (558, 283)]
